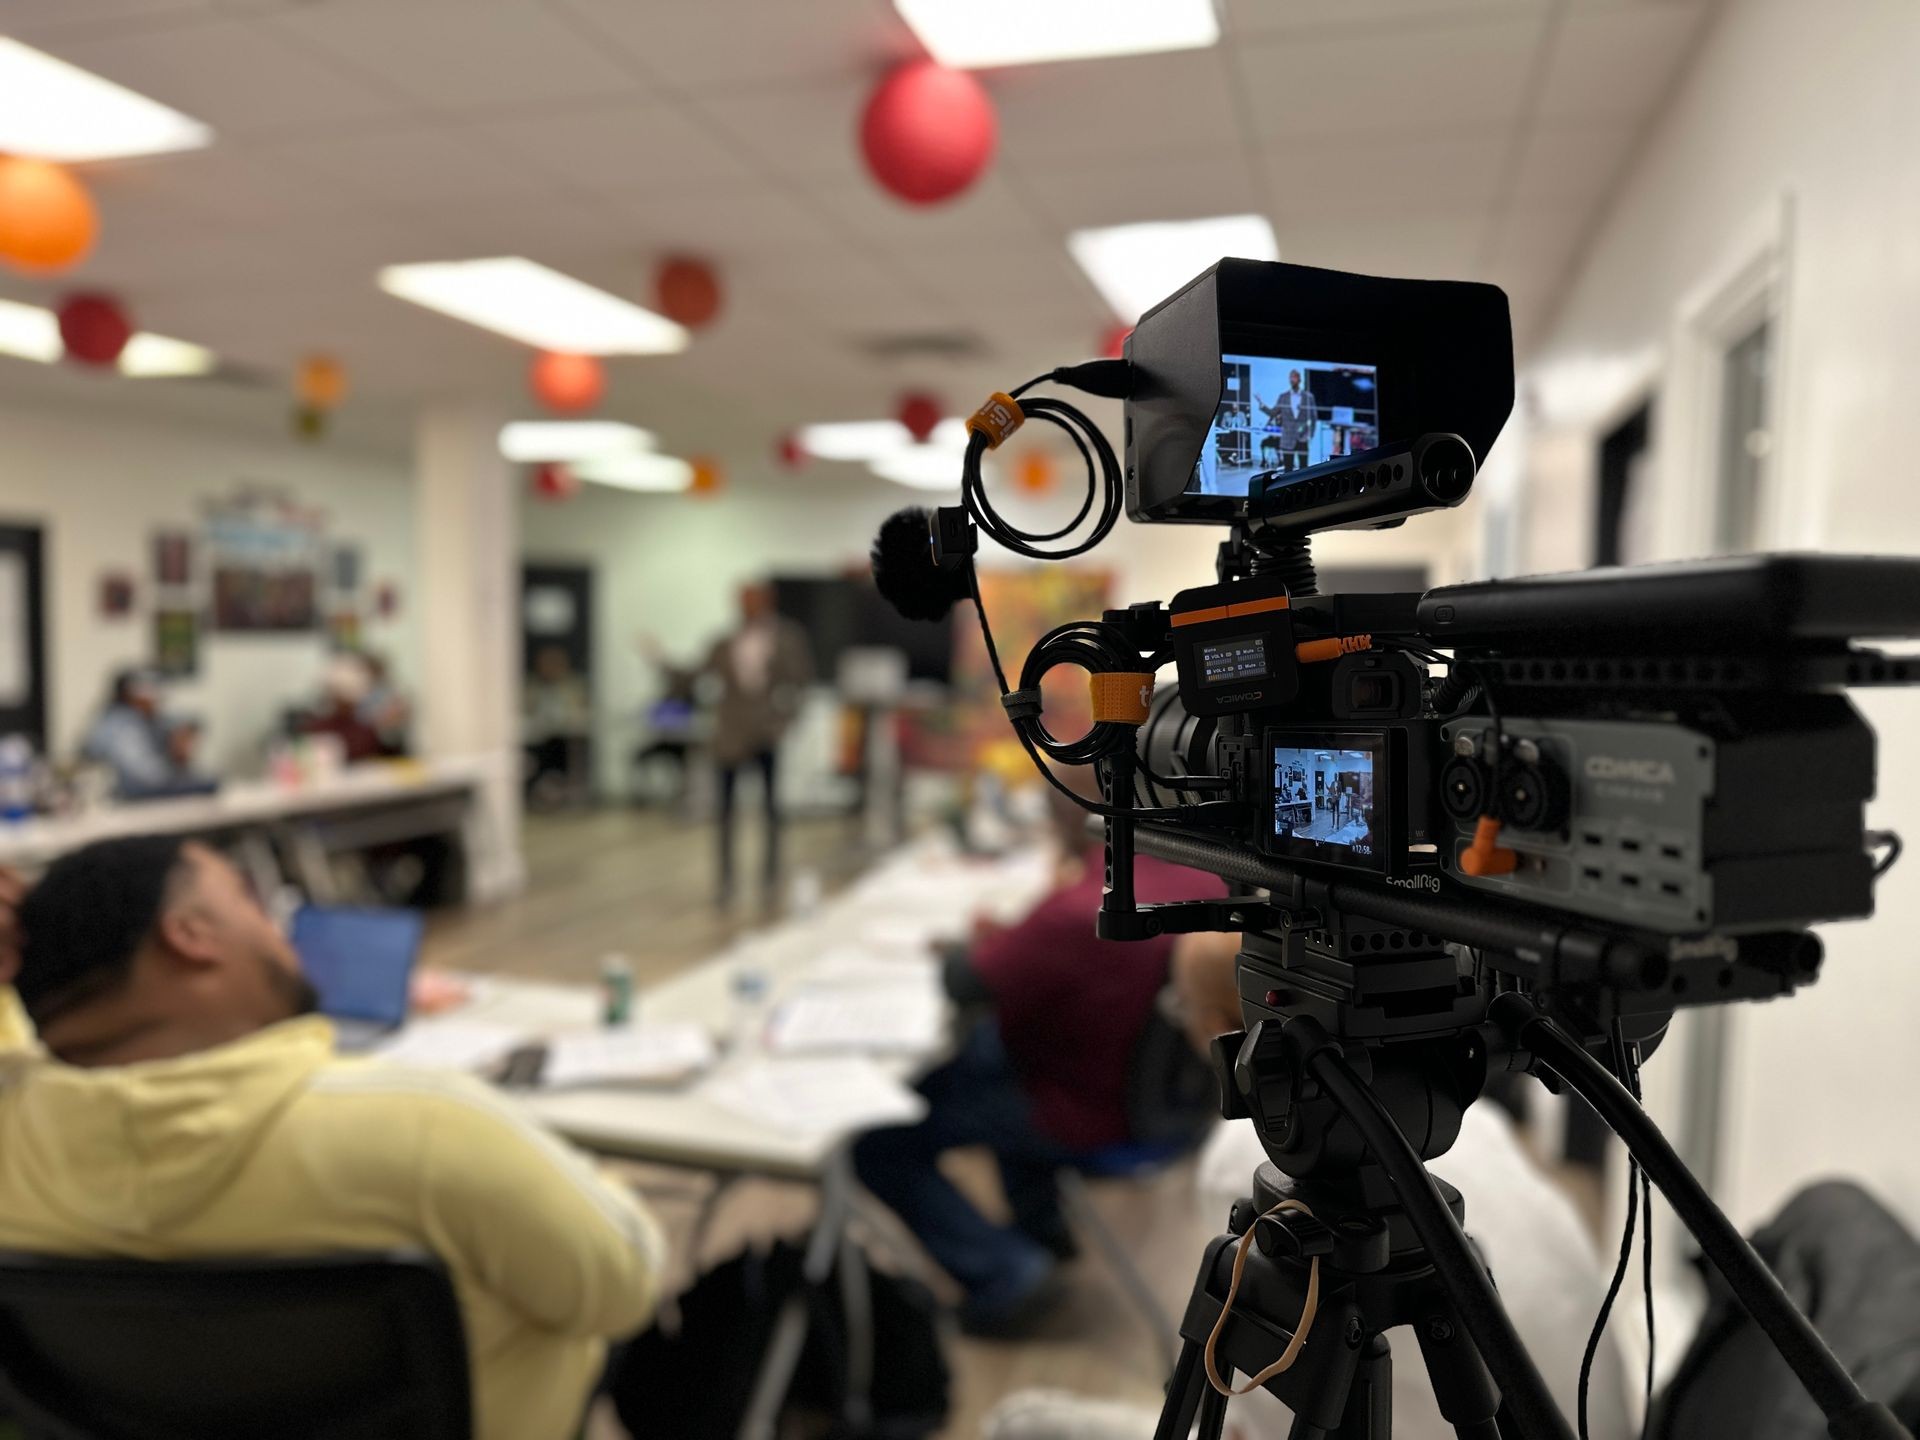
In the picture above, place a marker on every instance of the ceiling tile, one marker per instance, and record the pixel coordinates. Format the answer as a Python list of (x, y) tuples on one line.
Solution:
[(1428, 247), (1616, 64), (1036, 272), (1561, 164), (804, 131), (448, 55), (236, 75), (221, 184), (1410, 80), (721, 221), (41, 21), (870, 219), (1176, 185), (726, 45), (1264, 17), (413, 166), (1536, 243), (624, 146), (1116, 108), (1376, 177)]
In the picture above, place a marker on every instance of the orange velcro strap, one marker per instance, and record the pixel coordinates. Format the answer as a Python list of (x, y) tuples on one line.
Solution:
[(1121, 696), (1486, 855), (997, 419)]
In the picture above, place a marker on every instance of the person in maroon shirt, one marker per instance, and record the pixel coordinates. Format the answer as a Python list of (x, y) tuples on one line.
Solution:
[(1040, 1080)]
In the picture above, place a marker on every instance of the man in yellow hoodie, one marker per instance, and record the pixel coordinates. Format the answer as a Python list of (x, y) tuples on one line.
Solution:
[(16, 1031), (188, 1103)]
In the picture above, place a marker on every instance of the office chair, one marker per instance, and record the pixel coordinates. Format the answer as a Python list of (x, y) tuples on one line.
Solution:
[(334, 1347), (1171, 1105)]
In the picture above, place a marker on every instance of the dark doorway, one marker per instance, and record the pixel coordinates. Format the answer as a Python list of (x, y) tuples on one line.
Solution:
[(23, 635), (1621, 455), (556, 668)]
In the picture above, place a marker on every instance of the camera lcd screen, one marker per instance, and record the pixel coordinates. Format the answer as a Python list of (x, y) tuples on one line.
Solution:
[(1281, 414), (1323, 803), (1242, 657)]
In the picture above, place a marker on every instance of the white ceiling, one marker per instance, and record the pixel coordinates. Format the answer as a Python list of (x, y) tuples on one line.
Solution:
[(1458, 138)]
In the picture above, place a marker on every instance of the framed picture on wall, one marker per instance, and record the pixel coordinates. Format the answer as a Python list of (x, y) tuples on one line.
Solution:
[(172, 559), (346, 569), (266, 555), (176, 643), (116, 595)]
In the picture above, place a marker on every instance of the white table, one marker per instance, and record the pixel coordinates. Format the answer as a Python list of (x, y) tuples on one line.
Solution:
[(355, 800), (925, 892)]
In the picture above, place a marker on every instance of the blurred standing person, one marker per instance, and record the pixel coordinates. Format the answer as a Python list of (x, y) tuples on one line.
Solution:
[(150, 755), (760, 673), (384, 707), (558, 717)]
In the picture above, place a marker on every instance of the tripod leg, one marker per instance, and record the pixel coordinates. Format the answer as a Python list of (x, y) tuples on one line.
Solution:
[(1468, 1399), (1185, 1391), (1213, 1415)]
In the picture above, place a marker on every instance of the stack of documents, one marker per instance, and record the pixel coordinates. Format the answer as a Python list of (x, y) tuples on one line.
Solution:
[(816, 1096), (632, 1055), (904, 1017)]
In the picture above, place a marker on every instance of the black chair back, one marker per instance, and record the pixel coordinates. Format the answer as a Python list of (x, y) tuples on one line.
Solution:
[(334, 1347), (1172, 1097)]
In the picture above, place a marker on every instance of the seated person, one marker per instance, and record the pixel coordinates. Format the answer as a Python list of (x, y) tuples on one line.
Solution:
[(1042, 1079), (189, 1103), (16, 1031), (344, 689), (150, 755)]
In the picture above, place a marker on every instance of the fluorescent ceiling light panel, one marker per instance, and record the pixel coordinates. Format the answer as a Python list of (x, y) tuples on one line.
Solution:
[(920, 467), (528, 302), (975, 33), (57, 111), (155, 357), (1135, 267), (642, 470), (532, 441), (30, 333), (854, 439)]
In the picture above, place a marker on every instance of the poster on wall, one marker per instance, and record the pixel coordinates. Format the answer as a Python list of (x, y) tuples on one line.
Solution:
[(172, 559), (116, 595), (266, 553), (344, 628), (176, 643), (346, 569)]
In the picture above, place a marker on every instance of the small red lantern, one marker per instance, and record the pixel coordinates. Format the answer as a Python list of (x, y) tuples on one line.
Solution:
[(928, 132), (792, 454), (567, 384), (554, 482), (689, 292), (1114, 347), (920, 413), (94, 328), (708, 477)]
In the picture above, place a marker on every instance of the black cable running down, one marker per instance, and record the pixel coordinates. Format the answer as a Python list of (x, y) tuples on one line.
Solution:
[(1613, 1293), (1850, 1414), (1524, 1395)]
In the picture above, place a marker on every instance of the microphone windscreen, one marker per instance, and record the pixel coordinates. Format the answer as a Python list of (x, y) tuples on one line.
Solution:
[(905, 571)]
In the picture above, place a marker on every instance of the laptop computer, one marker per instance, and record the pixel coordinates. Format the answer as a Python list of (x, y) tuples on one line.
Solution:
[(361, 961)]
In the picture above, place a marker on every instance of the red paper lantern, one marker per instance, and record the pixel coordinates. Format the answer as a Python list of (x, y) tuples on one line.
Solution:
[(688, 291), (920, 412), (792, 454), (708, 477), (47, 218), (1114, 347), (928, 132), (94, 329), (567, 384), (554, 481)]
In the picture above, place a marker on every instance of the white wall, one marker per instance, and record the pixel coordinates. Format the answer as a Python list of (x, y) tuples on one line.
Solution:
[(672, 565), (1796, 118), (101, 486)]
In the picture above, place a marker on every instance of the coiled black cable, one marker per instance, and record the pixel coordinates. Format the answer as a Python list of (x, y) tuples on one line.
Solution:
[(1103, 483)]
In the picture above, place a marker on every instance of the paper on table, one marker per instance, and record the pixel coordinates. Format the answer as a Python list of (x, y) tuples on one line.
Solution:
[(816, 1094), (627, 1056), (903, 1018), (854, 965), (451, 1044)]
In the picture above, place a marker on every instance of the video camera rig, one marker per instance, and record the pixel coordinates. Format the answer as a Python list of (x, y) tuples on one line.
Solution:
[(1509, 824)]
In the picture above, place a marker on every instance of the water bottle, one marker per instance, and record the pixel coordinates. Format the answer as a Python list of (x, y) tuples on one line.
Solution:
[(749, 988), (16, 778)]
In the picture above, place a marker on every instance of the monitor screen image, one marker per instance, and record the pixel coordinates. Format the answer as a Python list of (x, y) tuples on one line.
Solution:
[(1281, 414), (1324, 796)]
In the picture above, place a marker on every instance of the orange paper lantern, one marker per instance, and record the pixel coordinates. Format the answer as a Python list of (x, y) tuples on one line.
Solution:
[(567, 384), (1035, 472), (708, 477), (688, 292), (47, 218), (320, 382)]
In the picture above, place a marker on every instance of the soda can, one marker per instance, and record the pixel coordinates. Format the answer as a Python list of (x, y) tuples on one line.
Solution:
[(616, 990)]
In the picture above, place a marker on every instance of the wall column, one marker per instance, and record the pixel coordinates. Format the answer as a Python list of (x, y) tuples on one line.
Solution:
[(467, 589)]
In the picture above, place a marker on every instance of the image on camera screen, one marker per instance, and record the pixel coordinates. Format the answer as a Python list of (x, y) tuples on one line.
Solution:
[(1280, 414), (1324, 796)]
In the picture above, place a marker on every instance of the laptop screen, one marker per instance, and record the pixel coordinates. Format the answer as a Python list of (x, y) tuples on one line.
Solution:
[(359, 960)]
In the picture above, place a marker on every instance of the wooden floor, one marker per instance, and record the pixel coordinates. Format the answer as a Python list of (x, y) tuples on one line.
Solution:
[(640, 883)]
